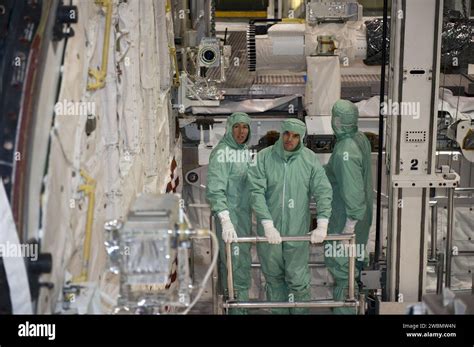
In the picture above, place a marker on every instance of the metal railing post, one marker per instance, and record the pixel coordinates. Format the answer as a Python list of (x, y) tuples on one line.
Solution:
[(215, 304), (434, 229), (439, 273), (449, 237), (230, 279), (351, 267)]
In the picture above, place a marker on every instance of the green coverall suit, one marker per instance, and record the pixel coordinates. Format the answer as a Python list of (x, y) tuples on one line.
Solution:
[(349, 171), (282, 184), (227, 189)]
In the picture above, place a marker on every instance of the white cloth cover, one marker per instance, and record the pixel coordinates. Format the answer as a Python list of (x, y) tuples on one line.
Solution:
[(323, 85), (14, 265)]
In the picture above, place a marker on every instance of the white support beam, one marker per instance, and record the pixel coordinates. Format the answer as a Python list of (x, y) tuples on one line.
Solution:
[(411, 140)]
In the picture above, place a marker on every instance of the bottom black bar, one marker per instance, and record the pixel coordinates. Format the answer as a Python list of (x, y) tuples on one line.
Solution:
[(263, 329)]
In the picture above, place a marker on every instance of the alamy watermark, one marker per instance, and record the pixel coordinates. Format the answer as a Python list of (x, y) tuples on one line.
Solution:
[(344, 250), (13, 250), (230, 155), (28, 329), (404, 108), (72, 108)]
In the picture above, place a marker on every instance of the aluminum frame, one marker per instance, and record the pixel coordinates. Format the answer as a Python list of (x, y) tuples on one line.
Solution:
[(349, 302)]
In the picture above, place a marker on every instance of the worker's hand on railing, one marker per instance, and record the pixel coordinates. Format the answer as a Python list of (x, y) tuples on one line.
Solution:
[(228, 231), (319, 234), (349, 228), (271, 233)]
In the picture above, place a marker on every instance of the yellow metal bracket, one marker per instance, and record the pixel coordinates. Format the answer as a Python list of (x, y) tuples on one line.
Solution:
[(100, 75), (89, 190), (293, 20), (172, 51), (175, 63)]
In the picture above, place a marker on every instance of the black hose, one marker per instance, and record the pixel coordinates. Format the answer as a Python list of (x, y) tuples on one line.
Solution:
[(378, 230)]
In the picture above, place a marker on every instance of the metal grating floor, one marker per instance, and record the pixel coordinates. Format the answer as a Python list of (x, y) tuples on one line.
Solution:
[(237, 75), (279, 79)]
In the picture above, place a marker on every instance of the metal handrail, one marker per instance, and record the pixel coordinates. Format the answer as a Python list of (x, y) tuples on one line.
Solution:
[(449, 237), (449, 231), (350, 302)]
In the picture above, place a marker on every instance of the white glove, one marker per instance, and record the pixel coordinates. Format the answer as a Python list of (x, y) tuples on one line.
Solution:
[(228, 231), (271, 233), (319, 234), (350, 226)]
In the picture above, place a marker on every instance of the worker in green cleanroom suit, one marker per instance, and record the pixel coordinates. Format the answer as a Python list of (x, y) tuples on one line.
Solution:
[(284, 179), (349, 171), (228, 194)]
